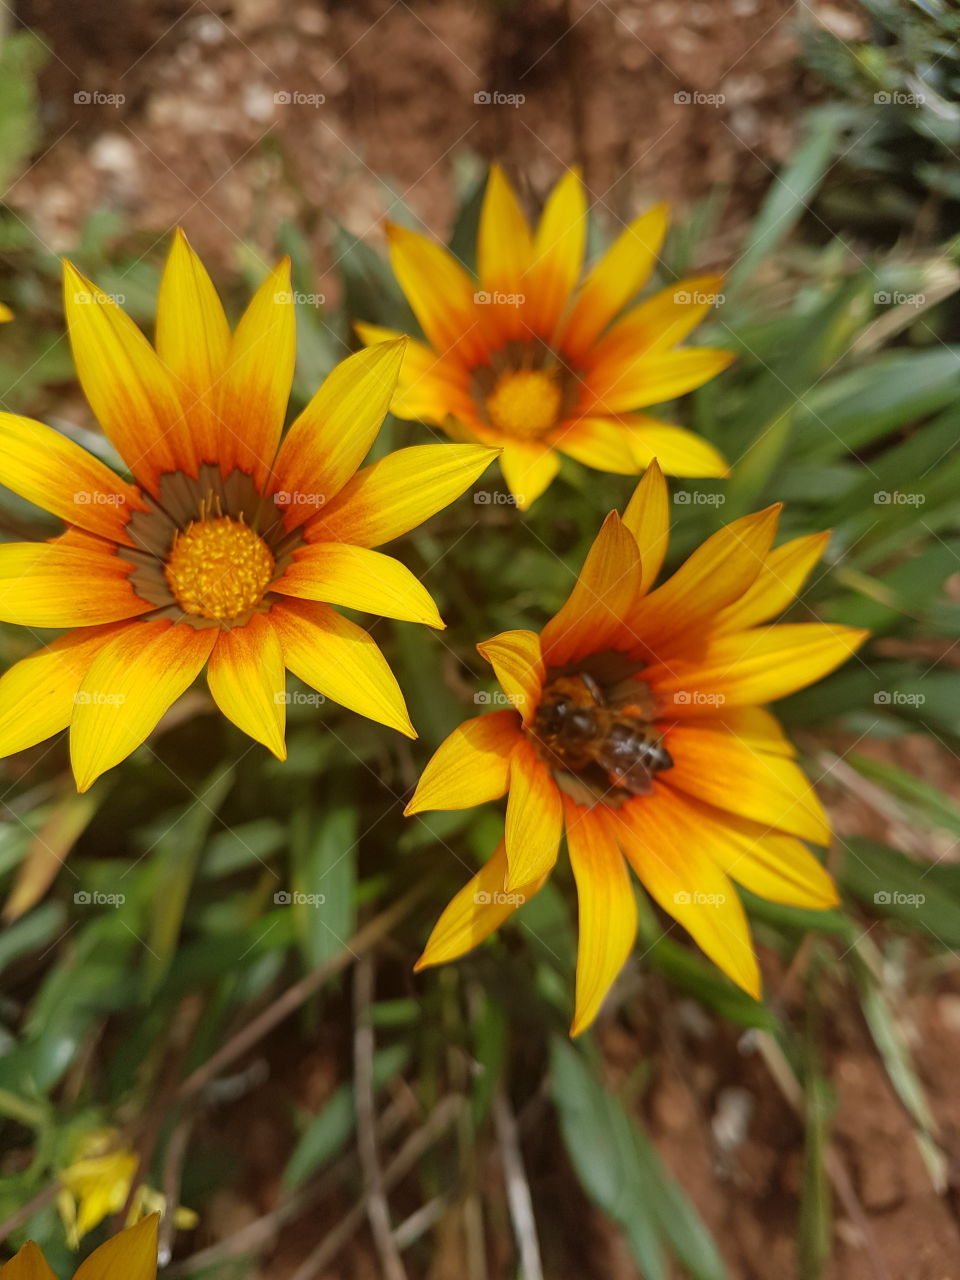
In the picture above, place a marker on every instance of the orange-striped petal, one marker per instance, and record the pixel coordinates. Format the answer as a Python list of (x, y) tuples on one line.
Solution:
[(38, 694), (593, 617), (133, 679), (517, 660), (129, 390), (255, 386), (471, 766), (778, 583), (607, 908), (534, 818), (341, 661), (399, 492), (479, 908), (679, 452), (601, 443), (52, 584), (648, 518), (504, 245), (440, 292), (245, 675), (528, 469), (333, 435), (46, 468), (358, 578), (558, 247)]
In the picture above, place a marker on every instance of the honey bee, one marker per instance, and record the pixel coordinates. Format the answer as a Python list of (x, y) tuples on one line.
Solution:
[(587, 737)]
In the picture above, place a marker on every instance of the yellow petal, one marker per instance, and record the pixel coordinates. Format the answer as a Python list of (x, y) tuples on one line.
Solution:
[(648, 518), (607, 909), (479, 908), (592, 619), (653, 379), (725, 772), (358, 578), (60, 476), (657, 324), (601, 443), (518, 662), (469, 767), (341, 661), (333, 435), (534, 818), (558, 247), (688, 884), (38, 694), (615, 279), (778, 583), (256, 384), (528, 469), (246, 679), (679, 452), (29, 1262), (429, 389), (752, 667), (439, 291), (50, 584), (504, 244), (132, 681), (193, 341), (130, 391), (756, 727), (399, 492), (129, 1255)]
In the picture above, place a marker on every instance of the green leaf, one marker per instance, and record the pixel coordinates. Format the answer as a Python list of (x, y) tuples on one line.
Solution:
[(893, 885), (323, 852)]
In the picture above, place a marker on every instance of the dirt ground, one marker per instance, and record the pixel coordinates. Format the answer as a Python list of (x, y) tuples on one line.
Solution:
[(210, 115)]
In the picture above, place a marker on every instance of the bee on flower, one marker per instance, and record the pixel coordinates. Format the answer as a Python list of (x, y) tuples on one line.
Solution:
[(638, 728), (230, 546), (537, 359)]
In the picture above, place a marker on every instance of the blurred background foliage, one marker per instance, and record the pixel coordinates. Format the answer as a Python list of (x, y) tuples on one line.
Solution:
[(181, 1015)]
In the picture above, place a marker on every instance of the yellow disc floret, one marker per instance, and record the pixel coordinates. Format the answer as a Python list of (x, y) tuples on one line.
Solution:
[(525, 403), (219, 568)]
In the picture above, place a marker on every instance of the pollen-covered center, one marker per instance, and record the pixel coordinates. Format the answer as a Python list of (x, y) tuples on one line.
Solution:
[(525, 403), (219, 568)]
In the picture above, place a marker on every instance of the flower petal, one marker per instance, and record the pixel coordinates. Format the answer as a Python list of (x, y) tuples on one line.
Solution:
[(592, 619), (129, 1255), (129, 390), (601, 443), (517, 660), (333, 435), (53, 472), (689, 885), (38, 693), (341, 661), (679, 452), (778, 583), (429, 388), (399, 492), (653, 379), (648, 518), (528, 469), (479, 908), (255, 386), (134, 678), (439, 291), (28, 1263), (193, 341), (722, 770), (245, 675), (504, 249), (469, 767), (357, 578), (607, 908), (534, 818), (655, 325), (50, 584), (558, 247)]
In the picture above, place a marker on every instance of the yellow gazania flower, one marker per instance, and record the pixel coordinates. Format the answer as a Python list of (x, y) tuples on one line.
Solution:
[(98, 1183), (636, 723), (533, 360), (230, 547), (132, 1255)]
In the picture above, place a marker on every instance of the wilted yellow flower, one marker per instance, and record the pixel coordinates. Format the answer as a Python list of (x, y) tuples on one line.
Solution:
[(532, 359), (231, 546), (636, 723), (131, 1255)]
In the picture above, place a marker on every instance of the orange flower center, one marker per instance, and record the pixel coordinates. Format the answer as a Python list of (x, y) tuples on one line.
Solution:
[(219, 568), (525, 403)]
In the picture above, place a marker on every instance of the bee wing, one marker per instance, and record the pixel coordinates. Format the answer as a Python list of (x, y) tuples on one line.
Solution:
[(625, 770)]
